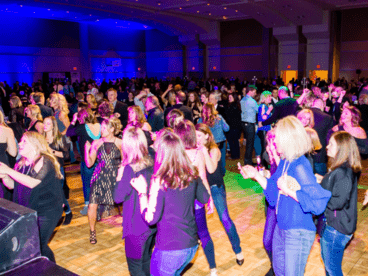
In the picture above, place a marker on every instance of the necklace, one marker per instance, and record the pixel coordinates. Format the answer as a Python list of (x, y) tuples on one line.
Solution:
[(29, 169)]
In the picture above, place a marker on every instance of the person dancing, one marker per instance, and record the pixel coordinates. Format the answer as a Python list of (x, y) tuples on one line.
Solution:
[(174, 187), (139, 237), (187, 133), (107, 151), (295, 194), (212, 157), (36, 183), (341, 213)]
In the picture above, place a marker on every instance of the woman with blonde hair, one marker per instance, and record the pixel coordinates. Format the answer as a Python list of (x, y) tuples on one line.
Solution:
[(60, 106), (292, 189), (7, 146), (58, 145), (218, 126), (107, 151), (212, 157), (344, 167), (175, 185), (34, 114), (139, 237), (306, 117), (35, 180)]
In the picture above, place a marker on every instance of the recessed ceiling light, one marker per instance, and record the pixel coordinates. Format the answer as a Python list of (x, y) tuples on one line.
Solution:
[(209, 14), (90, 15), (225, 8), (208, 4), (236, 10), (197, 11), (159, 3), (21, 6), (224, 17), (180, 8)]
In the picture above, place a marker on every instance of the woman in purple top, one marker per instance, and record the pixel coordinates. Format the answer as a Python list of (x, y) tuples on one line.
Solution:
[(296, 196), (139, 237), (187, 133), (174, 188)]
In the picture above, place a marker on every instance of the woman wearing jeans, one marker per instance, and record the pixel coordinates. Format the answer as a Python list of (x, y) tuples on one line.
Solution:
[(174, 187), (341, 212), (212, 156), (295, 194)]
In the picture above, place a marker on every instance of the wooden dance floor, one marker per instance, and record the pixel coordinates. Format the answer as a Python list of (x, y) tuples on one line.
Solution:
[(246, 206)]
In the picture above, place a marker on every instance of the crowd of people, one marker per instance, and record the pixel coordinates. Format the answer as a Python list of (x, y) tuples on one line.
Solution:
[(160, 148)]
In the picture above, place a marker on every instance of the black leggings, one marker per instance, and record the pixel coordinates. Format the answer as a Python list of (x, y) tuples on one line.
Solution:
[(47, 222)]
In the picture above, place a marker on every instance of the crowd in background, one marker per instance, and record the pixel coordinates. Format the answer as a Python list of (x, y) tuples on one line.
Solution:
[(143, 142)]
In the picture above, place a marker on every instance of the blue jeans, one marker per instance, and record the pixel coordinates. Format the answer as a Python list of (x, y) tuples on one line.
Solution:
[(332, 248), (204, 236), (290, 250), (222, 147), (62, 182), (86, 179), (171, 262), (320, 168), (219, 198)]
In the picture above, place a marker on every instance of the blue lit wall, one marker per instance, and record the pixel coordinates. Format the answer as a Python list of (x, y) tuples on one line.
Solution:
[(30, 46), (116, 52), (164, 55)]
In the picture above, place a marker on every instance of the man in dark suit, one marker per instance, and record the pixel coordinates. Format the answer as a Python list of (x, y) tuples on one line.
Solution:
[(155, 115), (120, 109), (180, 99), (39, 99), (284, 107), (322, 124)]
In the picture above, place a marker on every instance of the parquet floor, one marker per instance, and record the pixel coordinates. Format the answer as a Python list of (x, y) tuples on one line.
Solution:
[(246, 206)]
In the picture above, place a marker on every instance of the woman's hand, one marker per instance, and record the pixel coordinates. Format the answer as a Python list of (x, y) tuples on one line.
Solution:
[(247, 171), (139, 184), (75, 118), (4, 169), (282, 185), (319, 177), (120, 173)]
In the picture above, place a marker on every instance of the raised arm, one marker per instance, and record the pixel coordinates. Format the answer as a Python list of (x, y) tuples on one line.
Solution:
[(24, 179)]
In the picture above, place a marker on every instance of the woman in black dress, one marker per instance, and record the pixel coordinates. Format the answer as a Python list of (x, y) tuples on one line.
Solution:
[(7, 146), (35, 180)]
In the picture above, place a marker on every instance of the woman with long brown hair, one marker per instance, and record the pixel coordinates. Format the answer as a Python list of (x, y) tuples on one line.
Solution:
[(187, 133), (35, 180), (212, 157), (344, 166), (195, 104), (136, 118), (218, 127), (174, 187)]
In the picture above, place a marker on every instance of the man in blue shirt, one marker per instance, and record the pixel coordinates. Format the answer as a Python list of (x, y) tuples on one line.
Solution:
[(249, 110)]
